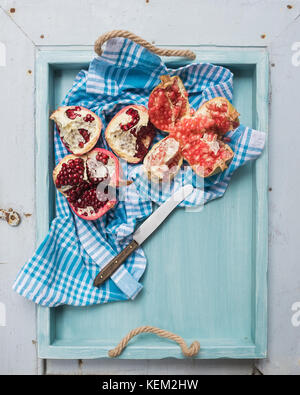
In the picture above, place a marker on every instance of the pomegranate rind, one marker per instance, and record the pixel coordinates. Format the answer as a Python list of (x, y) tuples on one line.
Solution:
[(87, 146), (114, 181), (166, 82), (231, 114), (109, 205), (111, 140), (176, 160)]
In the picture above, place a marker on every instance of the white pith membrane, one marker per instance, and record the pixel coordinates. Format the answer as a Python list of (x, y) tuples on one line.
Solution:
[(124, 140), (212, 143), (96, 169), (69, 128), (162, 160)]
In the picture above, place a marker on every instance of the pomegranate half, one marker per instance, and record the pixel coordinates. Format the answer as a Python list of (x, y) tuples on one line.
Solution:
[(168, 102), (78, 127), (130, 133), (85, 181), (164, 160)]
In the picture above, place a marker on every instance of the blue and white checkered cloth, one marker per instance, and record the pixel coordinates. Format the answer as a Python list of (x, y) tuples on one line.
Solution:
[(64, 266)]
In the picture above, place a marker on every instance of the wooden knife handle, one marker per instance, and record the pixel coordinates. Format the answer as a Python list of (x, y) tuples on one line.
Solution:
[(115, 263)]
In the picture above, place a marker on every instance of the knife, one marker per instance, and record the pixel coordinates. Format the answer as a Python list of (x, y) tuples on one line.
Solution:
[(144, 231)]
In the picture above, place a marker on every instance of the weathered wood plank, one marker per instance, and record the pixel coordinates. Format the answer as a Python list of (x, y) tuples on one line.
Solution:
[(165, 22), (17, 337)]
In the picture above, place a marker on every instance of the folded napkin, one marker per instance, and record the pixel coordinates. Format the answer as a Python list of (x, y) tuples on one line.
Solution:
[(64, 266)]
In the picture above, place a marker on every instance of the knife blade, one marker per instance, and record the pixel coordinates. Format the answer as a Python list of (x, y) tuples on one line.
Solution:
[(159, 215), (143, 232)]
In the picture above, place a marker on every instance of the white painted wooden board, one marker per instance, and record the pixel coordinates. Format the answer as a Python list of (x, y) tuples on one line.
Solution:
[(17, 352), (212, 22)]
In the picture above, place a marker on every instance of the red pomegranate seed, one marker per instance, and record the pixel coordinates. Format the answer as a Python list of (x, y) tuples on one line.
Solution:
[(88, 118), (101, 157), (89, 198), (85, 134), (143, 133), (72, 114), (135, 119), (70, 173)]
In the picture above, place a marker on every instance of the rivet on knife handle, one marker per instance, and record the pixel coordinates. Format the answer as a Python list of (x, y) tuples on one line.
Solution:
[(115, 263)]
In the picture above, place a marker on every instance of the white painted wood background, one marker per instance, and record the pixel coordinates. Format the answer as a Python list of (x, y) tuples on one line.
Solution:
[(27, 25)]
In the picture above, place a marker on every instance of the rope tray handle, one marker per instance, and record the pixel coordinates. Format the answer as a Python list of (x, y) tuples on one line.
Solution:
[(187, 351), (131, 36)]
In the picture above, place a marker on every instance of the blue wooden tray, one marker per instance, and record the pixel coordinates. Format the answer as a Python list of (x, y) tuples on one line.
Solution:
[(208, 282)]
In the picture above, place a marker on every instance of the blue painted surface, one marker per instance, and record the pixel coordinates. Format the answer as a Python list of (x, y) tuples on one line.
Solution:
[(212, 263)]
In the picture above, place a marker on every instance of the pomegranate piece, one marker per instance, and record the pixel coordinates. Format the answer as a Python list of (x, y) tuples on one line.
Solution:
[(84, 182), (200, 139), (130, 133), (222, 113), (164, 160), (206, 154), (78, 127), (168, 103)]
